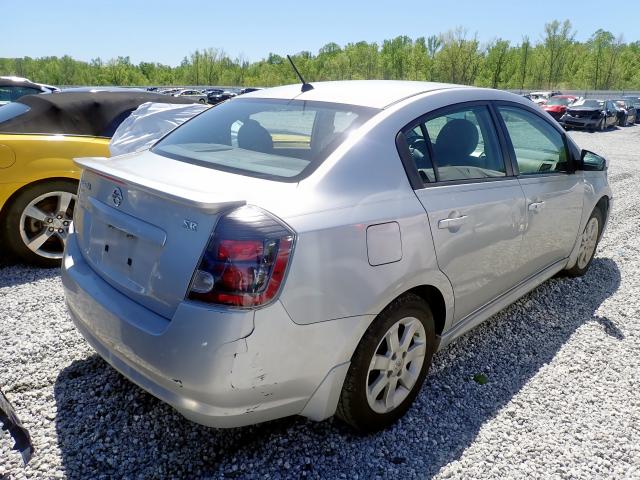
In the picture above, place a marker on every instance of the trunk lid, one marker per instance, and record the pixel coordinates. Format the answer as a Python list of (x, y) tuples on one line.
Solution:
[(143, 221)]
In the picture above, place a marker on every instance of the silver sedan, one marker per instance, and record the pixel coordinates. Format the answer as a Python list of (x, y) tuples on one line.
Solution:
[(307, 252), (195, 95)]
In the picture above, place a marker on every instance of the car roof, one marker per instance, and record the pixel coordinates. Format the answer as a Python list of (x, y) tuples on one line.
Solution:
[(366, 93)]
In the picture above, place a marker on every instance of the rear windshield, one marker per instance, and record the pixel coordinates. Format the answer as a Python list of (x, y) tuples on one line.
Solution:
[(588, 103), (558, 101), (276, 139)]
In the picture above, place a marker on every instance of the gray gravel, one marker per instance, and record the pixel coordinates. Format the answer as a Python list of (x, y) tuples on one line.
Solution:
[(561, 401)]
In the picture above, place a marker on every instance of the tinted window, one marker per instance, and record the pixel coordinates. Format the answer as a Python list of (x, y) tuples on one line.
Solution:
[(464, 145), (262, 137), (558, 101), (12, 110), (587, 103), (538, 147), (11, 94)]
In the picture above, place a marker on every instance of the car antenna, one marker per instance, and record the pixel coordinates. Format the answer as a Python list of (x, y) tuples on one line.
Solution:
[(305, 86)]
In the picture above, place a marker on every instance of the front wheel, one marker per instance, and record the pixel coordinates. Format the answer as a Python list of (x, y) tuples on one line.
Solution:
[(588, 243), (202, 100), (37, 222), (389, 365)]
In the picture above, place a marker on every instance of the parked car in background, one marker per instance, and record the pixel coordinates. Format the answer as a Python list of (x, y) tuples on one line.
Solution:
[(169, 91), (248, 90), (542, 97), (635, 101), (590, 114), (557, 105), (39, 137), (12, 88), (627, 113), (195, 95), (241, 279), (215, 98)]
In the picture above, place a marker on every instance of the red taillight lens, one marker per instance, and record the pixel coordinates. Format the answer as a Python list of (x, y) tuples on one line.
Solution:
[(240, 250), (245, 260)]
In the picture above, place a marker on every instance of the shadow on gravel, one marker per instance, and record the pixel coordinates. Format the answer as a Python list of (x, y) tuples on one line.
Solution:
[(108, 427), (17, 274)]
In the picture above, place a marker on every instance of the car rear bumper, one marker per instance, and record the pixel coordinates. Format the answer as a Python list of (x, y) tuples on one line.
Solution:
[(217, 367)]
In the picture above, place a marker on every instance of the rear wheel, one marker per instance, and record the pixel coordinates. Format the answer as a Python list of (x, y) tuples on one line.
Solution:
[(588, 243), (37, 222), (389, 365)]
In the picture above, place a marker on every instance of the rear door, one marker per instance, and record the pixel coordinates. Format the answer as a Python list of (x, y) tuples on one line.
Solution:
[(554, 191), (474, 203)]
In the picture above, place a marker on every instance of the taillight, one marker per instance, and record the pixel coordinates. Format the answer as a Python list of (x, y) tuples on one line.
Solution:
[(245, 260)]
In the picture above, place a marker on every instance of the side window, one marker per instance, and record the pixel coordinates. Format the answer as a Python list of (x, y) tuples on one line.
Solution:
[(538, 147), (420, 153), (464, 145)]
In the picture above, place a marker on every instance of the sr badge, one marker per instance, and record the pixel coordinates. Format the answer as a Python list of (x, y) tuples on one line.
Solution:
[(190, 225)]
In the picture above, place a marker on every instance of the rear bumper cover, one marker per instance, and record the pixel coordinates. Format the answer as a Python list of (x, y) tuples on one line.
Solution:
[(218, 367)]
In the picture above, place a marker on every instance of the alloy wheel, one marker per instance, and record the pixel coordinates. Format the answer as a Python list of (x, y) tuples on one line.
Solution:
[(45, 222), (588, 242), (396, 365)]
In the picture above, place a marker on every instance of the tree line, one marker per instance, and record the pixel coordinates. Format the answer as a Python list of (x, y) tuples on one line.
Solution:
[(556, 60)]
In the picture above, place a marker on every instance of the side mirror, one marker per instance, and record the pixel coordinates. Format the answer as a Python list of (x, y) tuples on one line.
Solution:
[(592, 162)]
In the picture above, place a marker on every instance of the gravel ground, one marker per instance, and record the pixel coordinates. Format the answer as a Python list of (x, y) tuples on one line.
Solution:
[(561, 401)]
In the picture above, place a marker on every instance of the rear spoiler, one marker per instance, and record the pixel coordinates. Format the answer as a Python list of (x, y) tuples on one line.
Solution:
[(209, 201), (9, 421)]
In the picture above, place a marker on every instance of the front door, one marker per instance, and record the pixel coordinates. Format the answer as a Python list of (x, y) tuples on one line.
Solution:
[(554, 193)]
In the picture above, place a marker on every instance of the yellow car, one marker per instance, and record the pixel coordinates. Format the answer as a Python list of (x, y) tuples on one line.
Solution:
[(39, 137)]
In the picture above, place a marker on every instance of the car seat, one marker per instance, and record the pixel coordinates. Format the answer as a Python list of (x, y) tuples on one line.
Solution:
[(253, 136), (455, 143)]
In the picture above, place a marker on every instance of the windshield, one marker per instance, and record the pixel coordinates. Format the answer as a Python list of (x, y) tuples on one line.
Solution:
[(558, 101), (588, 103), (268, 138), (12, 110)]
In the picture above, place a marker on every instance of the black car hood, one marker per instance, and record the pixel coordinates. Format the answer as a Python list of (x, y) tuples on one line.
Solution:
[(9, 421)]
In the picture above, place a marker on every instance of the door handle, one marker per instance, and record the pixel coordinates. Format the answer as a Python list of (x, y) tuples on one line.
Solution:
[(536, 206), (452, 222)]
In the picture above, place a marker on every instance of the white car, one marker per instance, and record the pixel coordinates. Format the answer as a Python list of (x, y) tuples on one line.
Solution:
[(196, 95)]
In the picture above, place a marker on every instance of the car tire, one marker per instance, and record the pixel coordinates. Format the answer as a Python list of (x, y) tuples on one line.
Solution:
[(603, 125), (381, 384), (21, 228), (202, 100), (588, 244)]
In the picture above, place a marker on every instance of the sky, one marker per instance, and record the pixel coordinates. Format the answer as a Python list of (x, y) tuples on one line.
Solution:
[(166, 31)]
